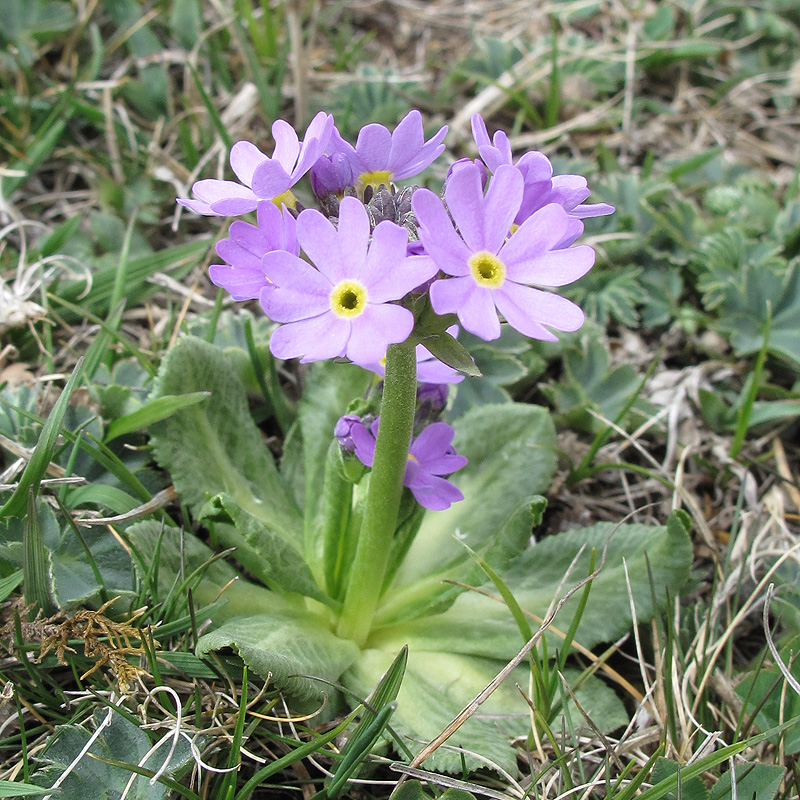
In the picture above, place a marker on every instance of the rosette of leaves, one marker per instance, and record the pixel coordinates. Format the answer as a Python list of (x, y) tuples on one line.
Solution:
[(282, 620)]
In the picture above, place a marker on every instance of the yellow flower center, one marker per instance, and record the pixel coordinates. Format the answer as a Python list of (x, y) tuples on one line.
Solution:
[(411, 458), (287, 199), (376, 178), (348, 299), (487, 269)]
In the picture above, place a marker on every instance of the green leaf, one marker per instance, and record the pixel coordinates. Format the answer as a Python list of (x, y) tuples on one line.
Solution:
[(746, 317), (275, 560), (764, 691), (43, 452), (36, 565), (150, 413), (292, 645), (170, 561), (591, 383), (17, 789), (450, 351), (329, 392), (435, 688), (477, 625), (754, 781), (511, 455), (121, 741), (173, 260), (372, 724), (437, 685), (215, 449), (692, 789), (71, 576), (8, 584), (412, 790)]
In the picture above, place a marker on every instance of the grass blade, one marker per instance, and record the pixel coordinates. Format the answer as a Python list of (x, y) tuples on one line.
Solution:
[(152, 412)]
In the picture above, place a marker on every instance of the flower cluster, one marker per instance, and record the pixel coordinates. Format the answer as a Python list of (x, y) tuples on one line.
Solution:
[(353, 278), (430, 456)]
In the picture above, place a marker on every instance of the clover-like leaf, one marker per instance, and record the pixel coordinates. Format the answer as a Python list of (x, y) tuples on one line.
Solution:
[(767, 302)]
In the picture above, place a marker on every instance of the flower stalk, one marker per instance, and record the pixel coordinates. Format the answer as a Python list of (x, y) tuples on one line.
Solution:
[(384, 493)]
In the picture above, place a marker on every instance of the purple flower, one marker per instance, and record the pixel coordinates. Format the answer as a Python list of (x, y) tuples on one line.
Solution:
[(264, 177), (343, 306), (492, 270), (343, 431), (331, 174), (432, 397), (381, 157), (541, 186), (243, 275), (430, 456), (429, 368)]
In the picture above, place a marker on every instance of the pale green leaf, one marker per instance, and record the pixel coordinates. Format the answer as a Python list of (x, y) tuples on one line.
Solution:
[(170, 557), (329, 391), (479, 625), (292, 645), (511, 452), (435, 688), (437, 685), (215, 448), (274, 560)]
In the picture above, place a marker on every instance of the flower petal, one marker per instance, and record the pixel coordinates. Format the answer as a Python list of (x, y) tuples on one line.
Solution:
[(539, 233), (317, 138), (434, 493), (198, 206), (320, 242), (473, 305), (245, 157), (437, 234), (287, 145), (377, 328), (364, 442), (464, 196), (569, 190), (270, 179), (585, 210), (299, 290), (237, 256), (554, 268), (312, 339), (527, 309), (407, 140), (373, 146), (353, 236), (503, 198), (244, 283), (225, 198), (479, 132)]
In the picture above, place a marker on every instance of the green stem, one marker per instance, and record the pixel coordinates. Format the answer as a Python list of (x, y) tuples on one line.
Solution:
[(385, 490)]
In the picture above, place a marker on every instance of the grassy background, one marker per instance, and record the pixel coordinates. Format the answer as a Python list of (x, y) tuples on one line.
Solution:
[(683, 390)]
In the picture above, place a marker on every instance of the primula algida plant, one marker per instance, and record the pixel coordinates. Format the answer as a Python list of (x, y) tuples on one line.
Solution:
[(365, 538)]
